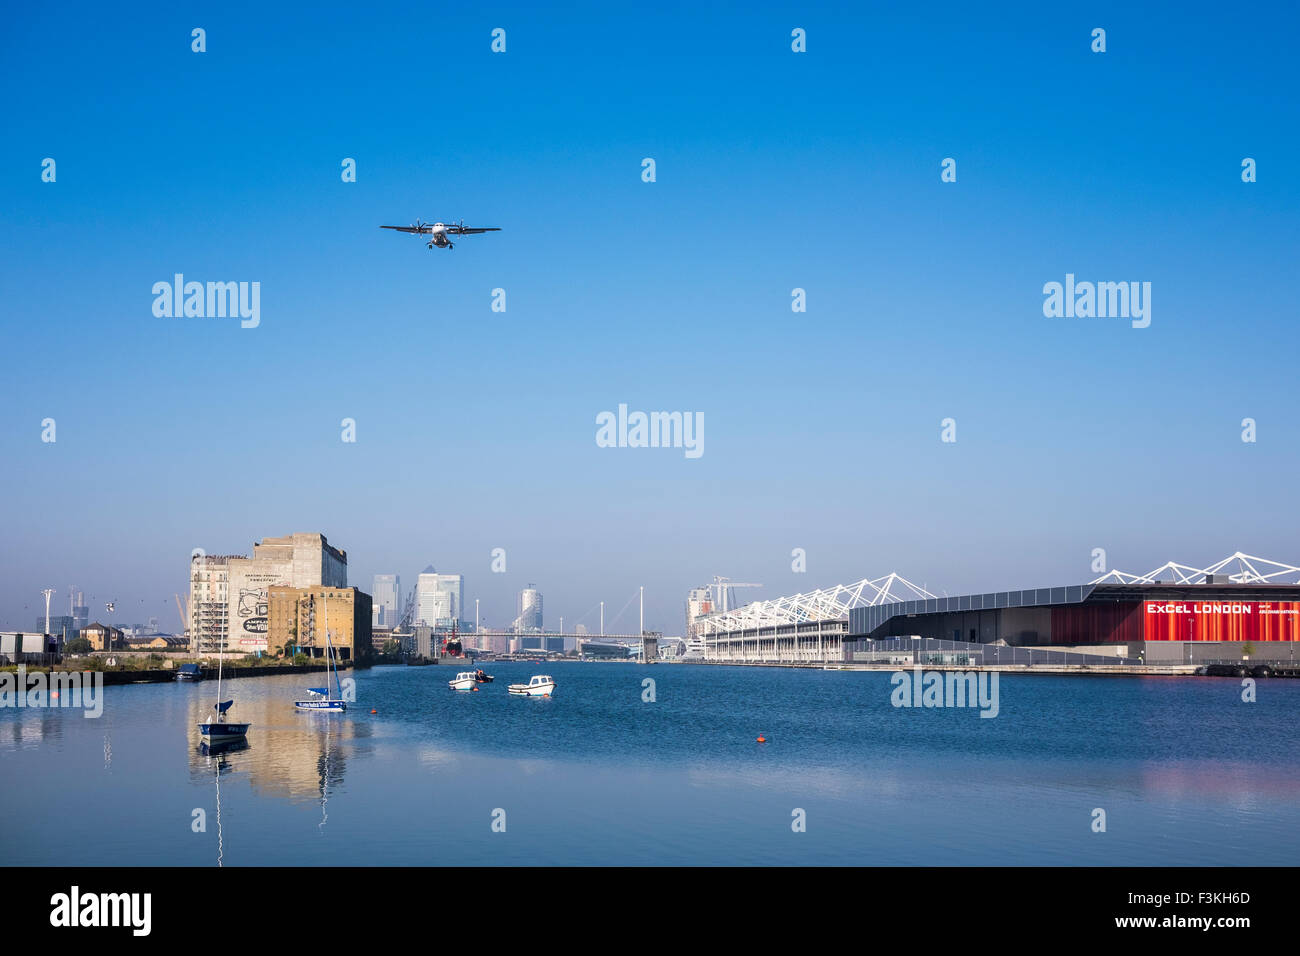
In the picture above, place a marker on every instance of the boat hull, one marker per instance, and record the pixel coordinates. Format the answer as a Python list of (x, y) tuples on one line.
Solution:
[(212, 747), (468, 684), (329, 706), (218, 733), (532, 690)]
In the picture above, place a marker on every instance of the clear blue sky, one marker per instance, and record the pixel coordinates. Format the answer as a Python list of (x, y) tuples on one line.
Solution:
[(775, 170)]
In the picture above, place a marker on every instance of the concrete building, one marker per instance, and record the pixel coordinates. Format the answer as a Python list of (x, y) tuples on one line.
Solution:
[(297, 621), (387, 595), (439, 598), (229, 593), (306, 559), (425, 641), (529, 610), (209, 602)]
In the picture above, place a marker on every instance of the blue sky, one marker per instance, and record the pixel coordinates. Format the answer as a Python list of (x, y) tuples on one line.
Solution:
[(775, 170)]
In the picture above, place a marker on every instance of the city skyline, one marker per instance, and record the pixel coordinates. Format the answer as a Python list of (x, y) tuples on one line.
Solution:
[(820, 171)]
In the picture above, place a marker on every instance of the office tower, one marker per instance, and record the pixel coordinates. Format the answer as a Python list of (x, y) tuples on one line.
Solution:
[(387, 598), (530, 610)]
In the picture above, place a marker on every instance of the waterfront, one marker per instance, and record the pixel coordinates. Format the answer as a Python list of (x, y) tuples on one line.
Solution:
[(1186, 772)]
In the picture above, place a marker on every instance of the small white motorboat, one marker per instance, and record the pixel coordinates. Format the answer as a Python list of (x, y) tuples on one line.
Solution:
[(540, 686), (465, 680)]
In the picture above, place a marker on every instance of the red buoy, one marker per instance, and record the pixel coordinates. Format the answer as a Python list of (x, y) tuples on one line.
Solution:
[(373, 711), (762, 740)]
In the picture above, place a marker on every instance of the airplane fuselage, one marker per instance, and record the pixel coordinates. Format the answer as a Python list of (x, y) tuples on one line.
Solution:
[(438, 236)]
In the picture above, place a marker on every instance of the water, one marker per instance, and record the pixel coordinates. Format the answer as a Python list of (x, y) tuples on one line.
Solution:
[(1186, 772)]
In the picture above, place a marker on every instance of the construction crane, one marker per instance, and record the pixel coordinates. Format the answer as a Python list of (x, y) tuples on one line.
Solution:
[(723, 599), (408, 612), (185, 621)]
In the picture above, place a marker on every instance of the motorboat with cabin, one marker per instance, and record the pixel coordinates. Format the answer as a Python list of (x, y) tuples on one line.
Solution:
[(539, 686), (465, 680)]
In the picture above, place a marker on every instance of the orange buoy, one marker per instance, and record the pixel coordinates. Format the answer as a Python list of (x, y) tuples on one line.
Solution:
[(373, 711), (762, 740)]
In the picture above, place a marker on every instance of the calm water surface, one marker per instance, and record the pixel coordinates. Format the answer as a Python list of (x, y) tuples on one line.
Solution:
[(1186, 772)]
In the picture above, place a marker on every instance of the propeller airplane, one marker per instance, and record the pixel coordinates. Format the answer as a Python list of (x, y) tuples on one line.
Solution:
[(439, 233)]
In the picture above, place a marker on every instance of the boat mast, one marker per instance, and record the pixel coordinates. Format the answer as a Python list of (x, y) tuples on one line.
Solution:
[(221, 657), (329, 650)]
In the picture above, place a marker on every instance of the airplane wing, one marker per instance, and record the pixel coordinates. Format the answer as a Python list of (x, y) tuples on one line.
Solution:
[(420, 229), (470, 230)]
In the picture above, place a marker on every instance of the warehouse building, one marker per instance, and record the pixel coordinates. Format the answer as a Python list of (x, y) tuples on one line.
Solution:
[(1241, 606)]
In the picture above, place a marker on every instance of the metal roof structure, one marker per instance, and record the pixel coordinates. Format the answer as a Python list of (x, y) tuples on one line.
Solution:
[(828, 604), (1240, 569), (893, 594)]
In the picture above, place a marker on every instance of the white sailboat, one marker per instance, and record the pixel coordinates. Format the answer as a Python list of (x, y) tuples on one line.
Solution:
[(322, 698)]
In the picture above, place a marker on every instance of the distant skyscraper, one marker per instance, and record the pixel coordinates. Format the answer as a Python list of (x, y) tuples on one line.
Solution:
[(530, 610), (58, 625), (438, 597), (699, 602), (80, 612), (387, 596)]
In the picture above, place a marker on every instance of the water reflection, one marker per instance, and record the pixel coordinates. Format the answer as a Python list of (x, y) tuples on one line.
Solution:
[(1202, 779), (31, 728), (218, 762), (290, 755), (324, 769)]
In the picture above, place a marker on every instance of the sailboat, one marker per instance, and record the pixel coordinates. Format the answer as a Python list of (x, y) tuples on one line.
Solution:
[(221, 730), (321, 698)]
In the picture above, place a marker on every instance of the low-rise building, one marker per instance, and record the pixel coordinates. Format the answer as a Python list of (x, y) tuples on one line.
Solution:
[(17, 647), (297, 621), (103, 637), (157, 642), (379, 636)]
